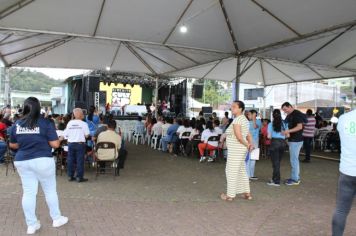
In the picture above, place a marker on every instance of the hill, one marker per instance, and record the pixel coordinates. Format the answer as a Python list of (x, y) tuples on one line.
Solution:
[(26, 80)]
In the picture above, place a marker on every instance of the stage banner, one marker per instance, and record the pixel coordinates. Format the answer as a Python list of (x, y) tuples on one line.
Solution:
[(120, 97)]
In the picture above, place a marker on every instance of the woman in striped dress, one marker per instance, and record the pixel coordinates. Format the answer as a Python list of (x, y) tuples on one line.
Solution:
[(238, 142)]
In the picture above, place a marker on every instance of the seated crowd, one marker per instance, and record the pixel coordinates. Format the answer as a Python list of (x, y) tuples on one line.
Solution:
[(184, 136), (79, 135)]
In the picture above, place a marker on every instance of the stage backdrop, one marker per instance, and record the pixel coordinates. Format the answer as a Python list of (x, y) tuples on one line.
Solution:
[(118, 95)]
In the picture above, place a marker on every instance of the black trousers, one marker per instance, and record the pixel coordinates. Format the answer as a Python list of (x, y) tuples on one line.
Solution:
[(277, 150), (191, 146), (307, 143)]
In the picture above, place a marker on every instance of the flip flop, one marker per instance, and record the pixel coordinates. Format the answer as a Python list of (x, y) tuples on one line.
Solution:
[(224, 197), (247, 196)]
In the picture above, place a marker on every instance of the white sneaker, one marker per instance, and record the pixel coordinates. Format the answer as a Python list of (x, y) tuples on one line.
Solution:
[(33, 228), (210, 159), (60, 221), (202, 159)]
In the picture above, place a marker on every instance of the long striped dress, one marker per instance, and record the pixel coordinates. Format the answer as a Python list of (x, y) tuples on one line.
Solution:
[(236, 176)]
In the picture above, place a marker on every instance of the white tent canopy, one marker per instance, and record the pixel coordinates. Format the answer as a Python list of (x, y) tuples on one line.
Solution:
[(277, 41)]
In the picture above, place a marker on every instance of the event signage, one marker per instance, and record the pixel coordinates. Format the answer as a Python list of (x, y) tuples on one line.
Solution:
[(120, 97)]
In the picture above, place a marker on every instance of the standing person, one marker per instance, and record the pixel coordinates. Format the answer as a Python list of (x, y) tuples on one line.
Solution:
[(34, 137), (347, 181), (238, 142), (254, 126), (76, 132), (318, 120), (278, 145), (225, 121), (265, 142), (308, 135), (295, 120), (92, 120)]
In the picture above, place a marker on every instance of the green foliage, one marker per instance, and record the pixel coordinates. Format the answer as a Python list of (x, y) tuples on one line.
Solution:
[(215, 93), (26, 80)]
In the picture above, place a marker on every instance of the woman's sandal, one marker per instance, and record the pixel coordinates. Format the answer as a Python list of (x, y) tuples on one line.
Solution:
[(224, 197), (247, 196)]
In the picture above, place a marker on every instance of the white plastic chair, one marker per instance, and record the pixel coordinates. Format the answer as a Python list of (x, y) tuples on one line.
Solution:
[(154, 141)]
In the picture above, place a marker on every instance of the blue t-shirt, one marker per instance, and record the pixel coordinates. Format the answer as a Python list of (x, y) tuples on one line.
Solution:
[(255, 132), (275, 134), (171, 131), (93, 124), (33, 143), (347, 131)]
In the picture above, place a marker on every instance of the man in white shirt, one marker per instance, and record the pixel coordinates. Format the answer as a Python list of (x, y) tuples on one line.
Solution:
[(76, 133), (217, 128), (347, 181)]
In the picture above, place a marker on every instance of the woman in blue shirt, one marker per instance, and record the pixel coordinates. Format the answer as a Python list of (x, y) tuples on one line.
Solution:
[(34, 137), (93, 120), (278, 145)]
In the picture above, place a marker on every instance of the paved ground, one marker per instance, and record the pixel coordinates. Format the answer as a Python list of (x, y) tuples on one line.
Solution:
[(158, 194)]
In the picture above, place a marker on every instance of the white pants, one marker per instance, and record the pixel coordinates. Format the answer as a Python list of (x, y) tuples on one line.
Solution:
[(42, 170)]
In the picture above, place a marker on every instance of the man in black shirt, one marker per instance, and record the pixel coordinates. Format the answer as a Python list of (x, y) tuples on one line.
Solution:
[(295, 120)]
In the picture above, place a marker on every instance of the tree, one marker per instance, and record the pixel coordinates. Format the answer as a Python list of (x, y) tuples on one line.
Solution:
[(215, 93), (26, 80)]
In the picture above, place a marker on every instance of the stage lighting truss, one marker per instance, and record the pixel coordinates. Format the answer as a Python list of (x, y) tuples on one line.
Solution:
[(146, 81)]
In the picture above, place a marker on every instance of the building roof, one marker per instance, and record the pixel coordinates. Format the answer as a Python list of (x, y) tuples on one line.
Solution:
[(276, 41)]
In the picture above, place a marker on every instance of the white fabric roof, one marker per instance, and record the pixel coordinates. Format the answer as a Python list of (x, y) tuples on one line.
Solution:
[(278, 41)]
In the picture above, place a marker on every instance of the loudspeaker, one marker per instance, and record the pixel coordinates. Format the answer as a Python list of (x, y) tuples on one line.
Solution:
[(77, 90), (197, 91), (79, 104), (93, 84)]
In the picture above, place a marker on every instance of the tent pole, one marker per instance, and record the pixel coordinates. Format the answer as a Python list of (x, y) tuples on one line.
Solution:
[(7, 98), (238, 76), (353, 94), (264, 102), (296, 94), (315, 98), (204, 90), (156, 98)]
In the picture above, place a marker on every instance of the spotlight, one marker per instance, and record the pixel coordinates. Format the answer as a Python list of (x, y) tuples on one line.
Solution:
[(124, 85), (115, 83), (259, 83), (107, 68), (132, 85), (109, 83), (183, 29), (104, 82)]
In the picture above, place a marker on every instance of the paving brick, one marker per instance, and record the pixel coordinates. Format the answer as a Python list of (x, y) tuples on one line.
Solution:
[(157, 194)]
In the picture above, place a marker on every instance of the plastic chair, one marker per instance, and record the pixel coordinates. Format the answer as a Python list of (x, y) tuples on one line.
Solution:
[(215, 149), (185, 136), (197, 139), (321, 139), (154, 141)]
